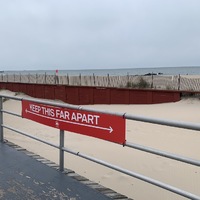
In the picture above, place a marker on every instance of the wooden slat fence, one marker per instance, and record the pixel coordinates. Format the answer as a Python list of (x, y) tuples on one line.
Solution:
[(155, 81)]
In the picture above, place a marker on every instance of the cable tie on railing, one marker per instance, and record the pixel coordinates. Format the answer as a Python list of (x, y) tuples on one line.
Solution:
[(77, 153), (124, 143), (80, 108), (124, 115)]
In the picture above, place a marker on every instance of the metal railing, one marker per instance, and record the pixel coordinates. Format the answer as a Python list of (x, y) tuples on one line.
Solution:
[(62, 148)]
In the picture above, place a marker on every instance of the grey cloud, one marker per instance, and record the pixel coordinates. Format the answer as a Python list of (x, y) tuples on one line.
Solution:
[(66, 34)]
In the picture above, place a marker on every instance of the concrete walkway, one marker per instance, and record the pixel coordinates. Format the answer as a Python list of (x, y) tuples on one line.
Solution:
[(23, 177)]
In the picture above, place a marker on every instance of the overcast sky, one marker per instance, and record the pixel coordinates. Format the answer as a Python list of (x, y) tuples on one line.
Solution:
[(87, 34)]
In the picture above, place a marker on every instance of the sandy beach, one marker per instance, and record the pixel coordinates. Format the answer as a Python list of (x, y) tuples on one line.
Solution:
[(174, 140)]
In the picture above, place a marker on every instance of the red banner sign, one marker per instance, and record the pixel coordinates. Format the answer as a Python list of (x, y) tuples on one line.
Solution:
[(103, 126)]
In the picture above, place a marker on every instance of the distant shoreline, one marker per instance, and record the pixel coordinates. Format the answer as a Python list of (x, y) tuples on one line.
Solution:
[(113, 72)]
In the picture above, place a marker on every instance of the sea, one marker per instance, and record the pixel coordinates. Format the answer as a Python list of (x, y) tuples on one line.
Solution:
[(114, 72)]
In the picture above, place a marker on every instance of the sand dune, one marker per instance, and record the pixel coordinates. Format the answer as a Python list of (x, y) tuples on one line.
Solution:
[(175, 140)]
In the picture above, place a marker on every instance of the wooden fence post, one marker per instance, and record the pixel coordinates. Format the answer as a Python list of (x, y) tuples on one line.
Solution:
[(152, 80), (179, 81), (67, 79), (80, 79), (108, 80), (45, 78), (94, 79)]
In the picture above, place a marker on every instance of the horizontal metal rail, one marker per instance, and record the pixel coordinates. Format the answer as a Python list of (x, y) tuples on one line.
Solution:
[(178, 124), (163, 154), (30, 136), (138, 147), (172, 123), (11, 97), (136, 175), (114, 167), (11, 113)]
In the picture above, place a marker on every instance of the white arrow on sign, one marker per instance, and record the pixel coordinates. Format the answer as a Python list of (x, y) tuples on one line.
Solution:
[(110, 129)]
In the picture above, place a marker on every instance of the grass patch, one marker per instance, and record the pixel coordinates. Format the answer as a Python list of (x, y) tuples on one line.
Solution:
[(140, 84)]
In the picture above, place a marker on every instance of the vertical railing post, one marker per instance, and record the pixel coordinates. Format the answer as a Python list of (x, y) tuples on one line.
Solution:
[(1, 119), (62, 136)]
